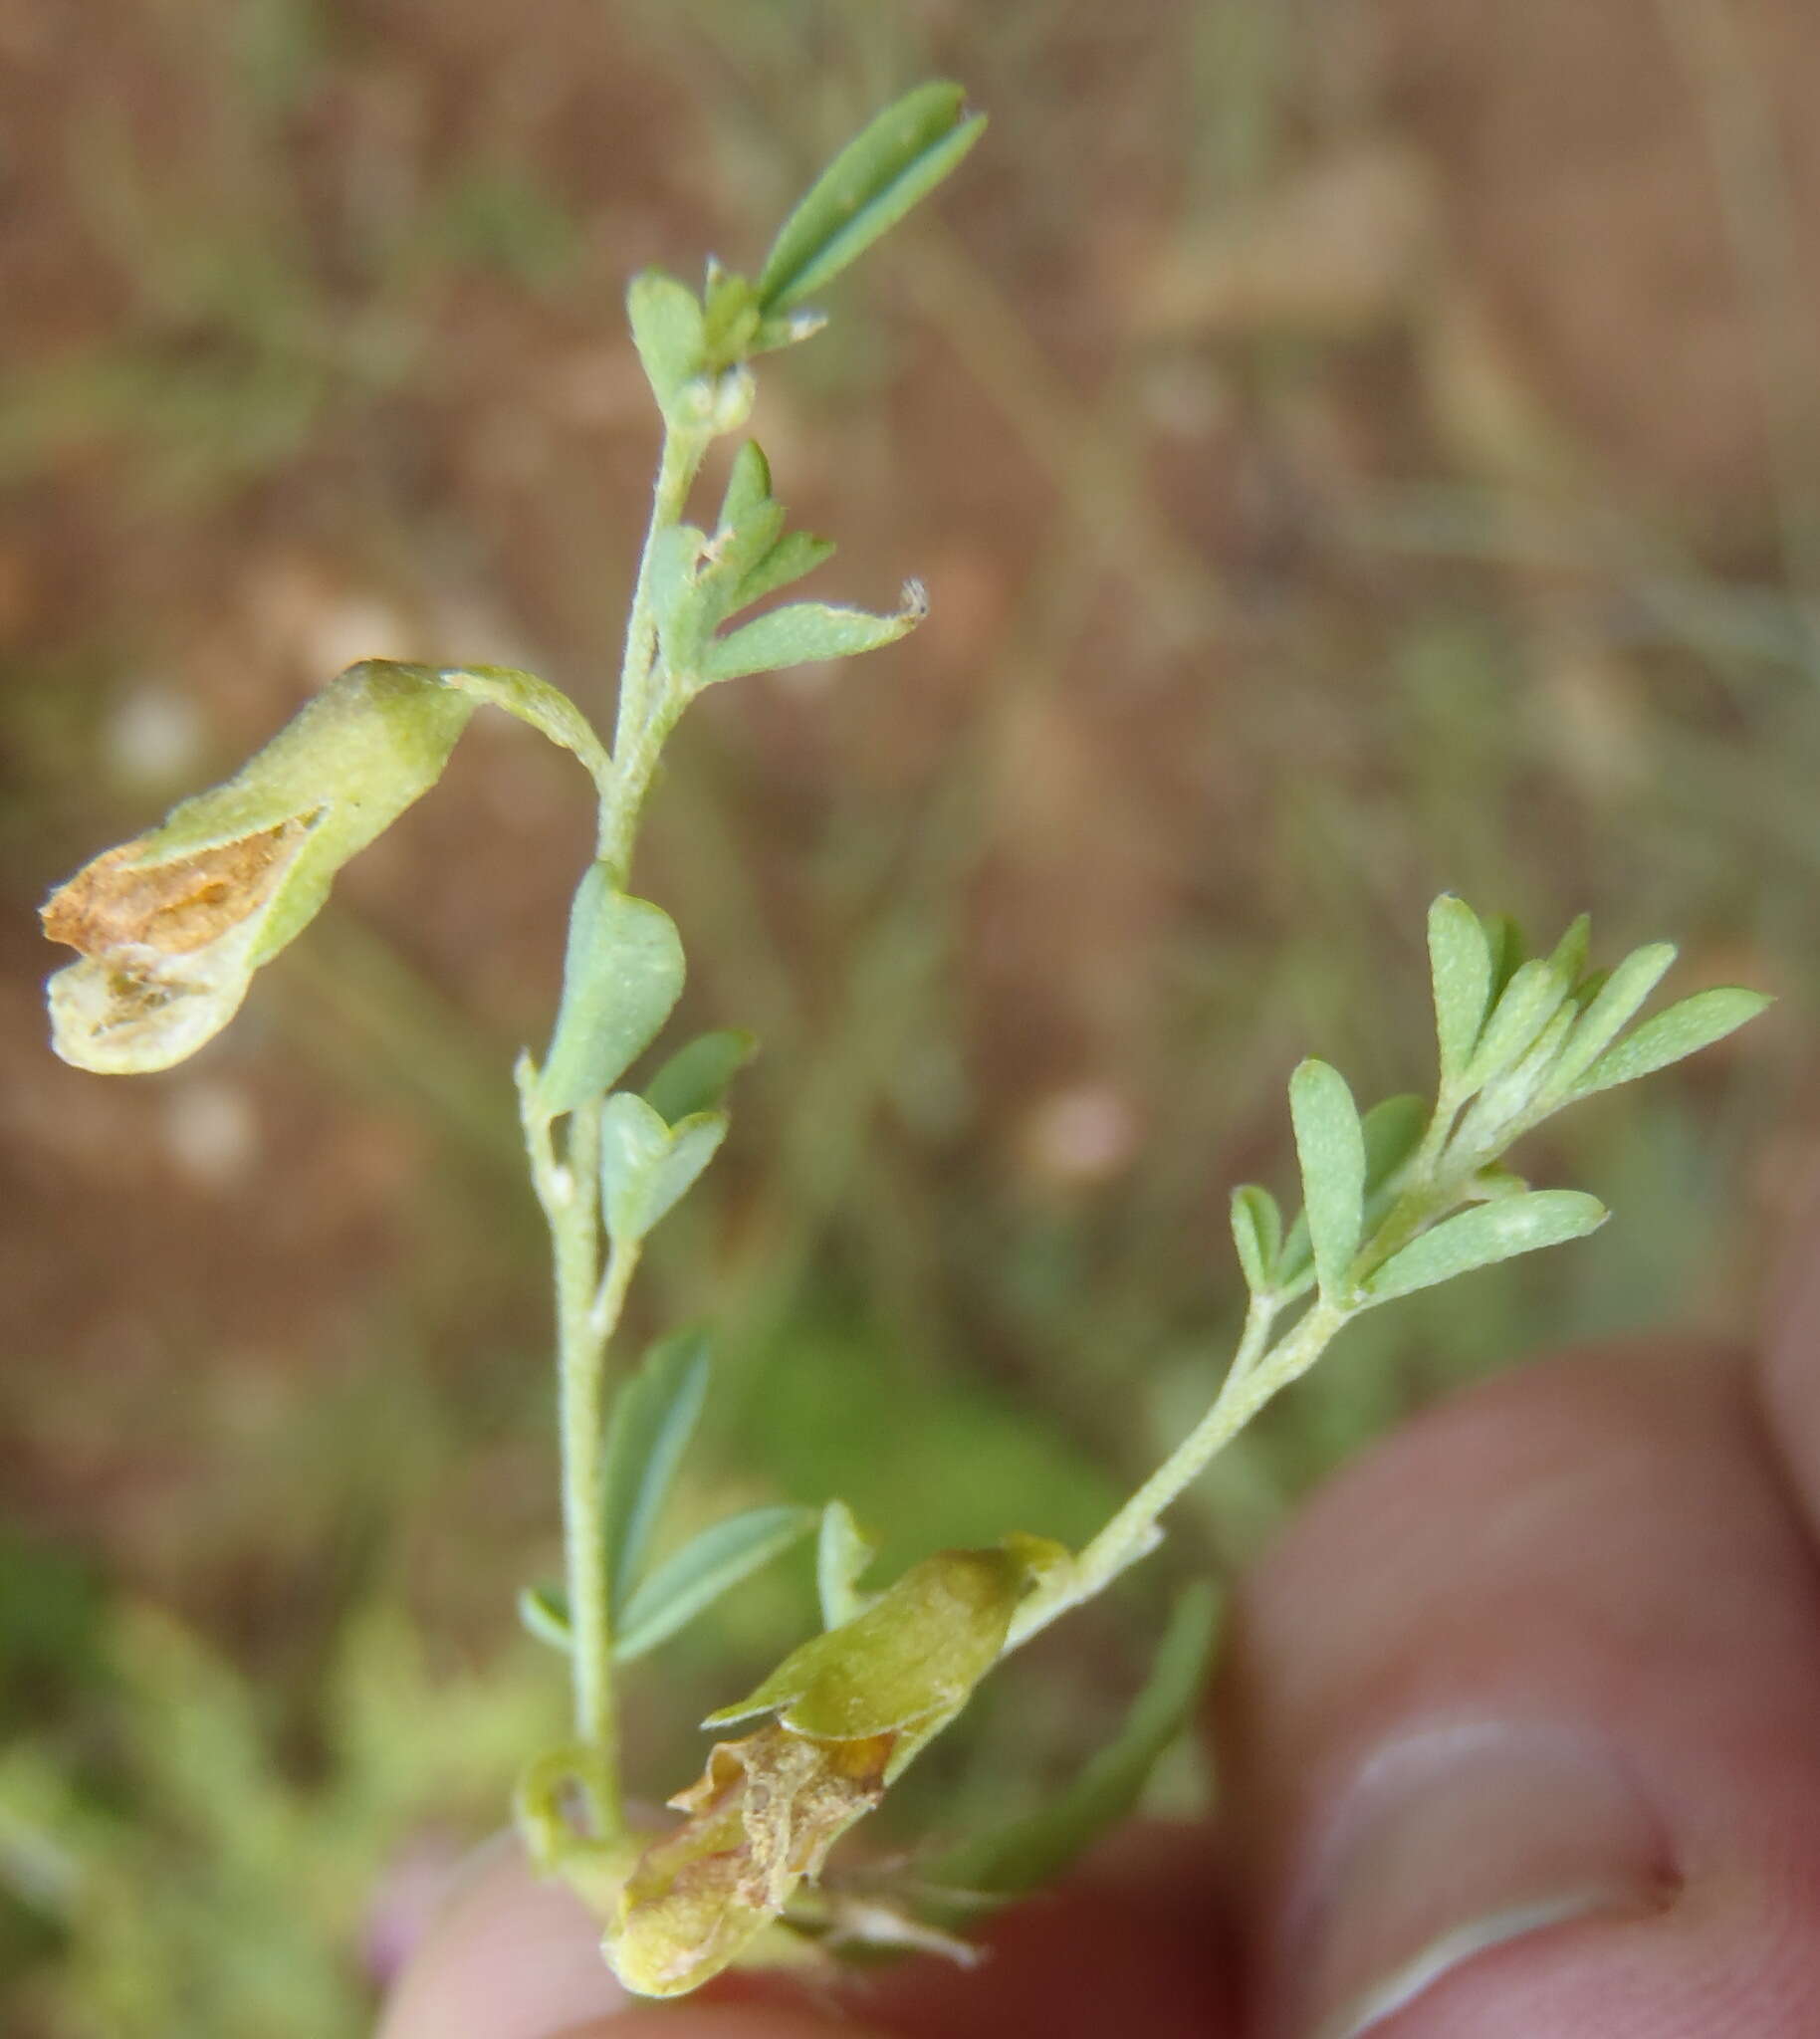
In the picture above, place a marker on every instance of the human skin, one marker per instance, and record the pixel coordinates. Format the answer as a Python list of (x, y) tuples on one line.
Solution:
[(1519, 1734)]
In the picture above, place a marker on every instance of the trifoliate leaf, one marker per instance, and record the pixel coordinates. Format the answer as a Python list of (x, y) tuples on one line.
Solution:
[(895, 160), (1460, 959), (1485, 1235), (621, 976), (1683, 1030), (697, 1077), (692, 1579), (653, 1418), (1331, 1145), (1257, 1235)]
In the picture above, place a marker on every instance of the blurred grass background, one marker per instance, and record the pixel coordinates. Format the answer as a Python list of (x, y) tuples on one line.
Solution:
[(1354, 450)]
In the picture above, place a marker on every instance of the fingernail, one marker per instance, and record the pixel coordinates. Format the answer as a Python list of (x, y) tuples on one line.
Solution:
[(1455, 1841)]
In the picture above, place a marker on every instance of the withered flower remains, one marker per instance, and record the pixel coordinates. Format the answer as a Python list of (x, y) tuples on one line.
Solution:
[(172, 925), (849, 1711)]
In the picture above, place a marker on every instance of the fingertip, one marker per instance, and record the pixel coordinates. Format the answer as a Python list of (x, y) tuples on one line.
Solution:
[(716, 2021), (1519, 1719), (1134, 1941), (511, 1955)]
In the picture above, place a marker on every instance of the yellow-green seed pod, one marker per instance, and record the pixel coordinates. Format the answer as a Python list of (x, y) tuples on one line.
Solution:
[(851, 1708), (917, 1651), (172, 925)]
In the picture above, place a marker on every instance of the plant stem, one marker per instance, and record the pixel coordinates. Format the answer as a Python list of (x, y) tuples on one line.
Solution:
[(590, 1298), (1258, 1372), (586, 1324), (643, 721)]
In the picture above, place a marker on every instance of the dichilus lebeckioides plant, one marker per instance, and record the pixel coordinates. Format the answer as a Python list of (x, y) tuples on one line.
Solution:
[(171, 927)]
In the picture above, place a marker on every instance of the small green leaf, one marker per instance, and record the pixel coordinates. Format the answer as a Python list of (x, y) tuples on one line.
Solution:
[(748, 485), (696, 1077), (1493, 1118), (696, 1576), (1505, 939), (739, 552), (684, 607), (546, 708), (1257, 1235), (804, 633), (790, 329), (731, 319), (544, 1613), (1487, 1234), (646, 1165), (1526, 1006), (1460, 959), (622, 975), (653, 1418), (1683, 1030), (1569, 956), (1295, 1264), (843, 1552), (796, 554), (676, 553), (1612, 1008), (1392, 1132), (1330, 1144), (666, 320), (896, 160), (1032, 1851)]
